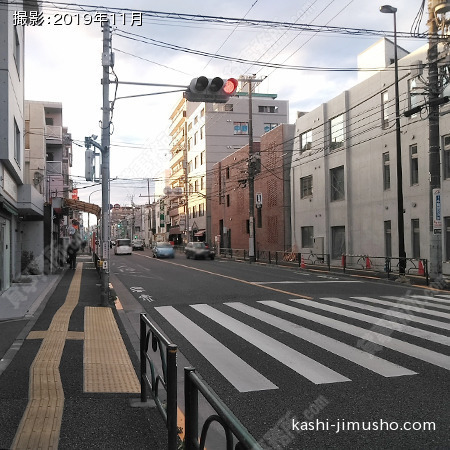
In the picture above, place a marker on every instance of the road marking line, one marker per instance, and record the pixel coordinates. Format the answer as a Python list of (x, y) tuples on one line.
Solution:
[(231, 278), (259, 283), (300, 363), (430, 312), (362, 358), (240, 374), (395, 325), (424, 354)]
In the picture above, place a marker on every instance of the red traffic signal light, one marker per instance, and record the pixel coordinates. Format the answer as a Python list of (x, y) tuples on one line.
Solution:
[(215, 90)]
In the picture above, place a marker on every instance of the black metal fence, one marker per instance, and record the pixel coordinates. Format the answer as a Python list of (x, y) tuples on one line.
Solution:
[(193, 385), (168, 379), (168, 407), (380, 266)]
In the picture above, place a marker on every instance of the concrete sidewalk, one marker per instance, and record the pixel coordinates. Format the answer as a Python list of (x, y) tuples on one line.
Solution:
[(68, 372)]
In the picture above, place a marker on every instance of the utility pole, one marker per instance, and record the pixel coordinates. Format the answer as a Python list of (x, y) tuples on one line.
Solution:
[(435, 268), (252, 170), (107, 62)]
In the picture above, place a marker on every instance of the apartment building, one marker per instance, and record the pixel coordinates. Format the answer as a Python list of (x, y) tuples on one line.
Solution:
[(202, 135), (15, 199), (344, 192), (230, 195), (48, 147)]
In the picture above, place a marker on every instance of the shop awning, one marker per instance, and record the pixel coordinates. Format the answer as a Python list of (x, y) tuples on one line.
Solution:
[(78, 205), (200, 233)]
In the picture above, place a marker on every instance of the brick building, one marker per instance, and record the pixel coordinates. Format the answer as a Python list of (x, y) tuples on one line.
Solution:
[(230, 194)]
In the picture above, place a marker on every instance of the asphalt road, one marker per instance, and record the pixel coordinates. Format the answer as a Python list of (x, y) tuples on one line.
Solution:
[(306, 359)]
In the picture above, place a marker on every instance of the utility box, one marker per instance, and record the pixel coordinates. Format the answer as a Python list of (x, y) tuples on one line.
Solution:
[(318, 248)]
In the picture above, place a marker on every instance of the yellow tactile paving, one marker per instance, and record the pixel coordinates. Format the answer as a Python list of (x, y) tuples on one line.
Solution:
[(41, 422), (72, 335), (107, 366)]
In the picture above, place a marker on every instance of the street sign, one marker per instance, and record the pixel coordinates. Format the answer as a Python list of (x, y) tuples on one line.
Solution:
[(437, 217)]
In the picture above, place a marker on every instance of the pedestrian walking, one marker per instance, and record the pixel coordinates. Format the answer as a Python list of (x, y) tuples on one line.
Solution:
[(72, 250)]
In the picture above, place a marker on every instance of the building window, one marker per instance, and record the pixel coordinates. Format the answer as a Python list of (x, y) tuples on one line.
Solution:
[(189, 143), (447, 238), (387, 238), (269, 126), (227, 173), (195, 120), (195, 162), (194, 211), (49, 121), (386, 171), (337, 183), (337, 132), (307, 237), (447, 156), (384, 110), (202, 158), (413, 95), (240, 127), (415, 238), (202, 183), (228, 107), (306, 141), (306, 186), (337, 242), (268, 109), (16, 53), (190, 127), (201, 210), (202, 112), (414, 163), (228, 199), (196, 138), (202, 132), (16, 142), (196, 186)]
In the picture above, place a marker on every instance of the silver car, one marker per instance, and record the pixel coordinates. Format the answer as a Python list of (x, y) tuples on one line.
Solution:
[(198, 250)]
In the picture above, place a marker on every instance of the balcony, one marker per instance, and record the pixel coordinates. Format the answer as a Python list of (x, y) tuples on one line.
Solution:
[(53, 134)]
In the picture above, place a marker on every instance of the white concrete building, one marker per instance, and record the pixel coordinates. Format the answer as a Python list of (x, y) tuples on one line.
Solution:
[(344, 196), (15, 198)]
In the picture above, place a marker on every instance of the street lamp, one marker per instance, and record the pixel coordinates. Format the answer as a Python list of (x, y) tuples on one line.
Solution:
[(387, 9)]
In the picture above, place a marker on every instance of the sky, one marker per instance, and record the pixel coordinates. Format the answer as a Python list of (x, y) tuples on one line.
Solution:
[(63, 64)]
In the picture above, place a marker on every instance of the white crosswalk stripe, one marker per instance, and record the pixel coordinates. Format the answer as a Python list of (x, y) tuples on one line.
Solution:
[(302, 364), (242, 376), (358, 356), (389, 327)]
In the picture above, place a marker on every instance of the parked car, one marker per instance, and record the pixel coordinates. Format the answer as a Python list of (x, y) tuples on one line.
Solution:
[(198, 250), (163, 250), (137, 244), (123, 247)]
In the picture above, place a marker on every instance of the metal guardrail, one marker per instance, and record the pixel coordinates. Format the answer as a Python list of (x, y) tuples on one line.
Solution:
[(375, 264), (192, 386), (231, 425), (386, 264), (168, 380)]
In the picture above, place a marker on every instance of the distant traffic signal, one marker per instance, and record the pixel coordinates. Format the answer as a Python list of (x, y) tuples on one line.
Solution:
[(215, 90)]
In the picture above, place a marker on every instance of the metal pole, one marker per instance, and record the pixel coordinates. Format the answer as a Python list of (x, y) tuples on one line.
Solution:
[(400, 216), (106, 63), (435, 259)]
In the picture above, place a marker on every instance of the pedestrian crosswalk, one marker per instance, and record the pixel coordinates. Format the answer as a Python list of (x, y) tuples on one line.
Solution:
[(415, 327)]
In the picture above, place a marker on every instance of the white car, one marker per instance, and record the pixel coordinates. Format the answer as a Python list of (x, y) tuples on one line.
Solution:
[(123, 247)]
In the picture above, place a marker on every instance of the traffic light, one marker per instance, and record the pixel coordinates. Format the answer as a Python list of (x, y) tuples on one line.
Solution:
[(215, 90)]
